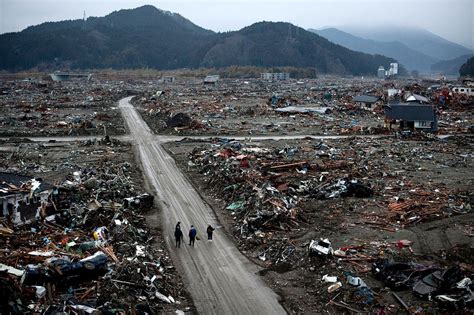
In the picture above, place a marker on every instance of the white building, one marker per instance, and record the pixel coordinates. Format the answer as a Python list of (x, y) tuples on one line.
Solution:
[(463, 90), (275, 76), (168, 79), (211, 79), (393, 69)]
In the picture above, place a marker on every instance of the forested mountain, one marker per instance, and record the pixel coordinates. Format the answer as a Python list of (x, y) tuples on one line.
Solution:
[(147, 37), (142, 37), (280, 44)]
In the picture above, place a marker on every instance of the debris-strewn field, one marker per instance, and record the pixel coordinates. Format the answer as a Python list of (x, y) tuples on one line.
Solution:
[(43, 108), (342, 224), (379, 220), (89, 249), (324, 106)]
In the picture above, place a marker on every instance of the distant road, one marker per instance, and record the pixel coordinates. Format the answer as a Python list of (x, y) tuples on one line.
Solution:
[(169, 138), (220, 279)]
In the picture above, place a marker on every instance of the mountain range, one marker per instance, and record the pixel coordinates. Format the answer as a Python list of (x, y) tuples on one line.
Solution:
[(414, 37), (451, 66), (147, 37), (414, 48)]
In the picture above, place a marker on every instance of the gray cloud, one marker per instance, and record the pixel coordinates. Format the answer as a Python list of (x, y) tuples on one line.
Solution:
[(451, 19)]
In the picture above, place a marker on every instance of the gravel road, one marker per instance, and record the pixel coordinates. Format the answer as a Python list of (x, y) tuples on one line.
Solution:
[(220, 279)]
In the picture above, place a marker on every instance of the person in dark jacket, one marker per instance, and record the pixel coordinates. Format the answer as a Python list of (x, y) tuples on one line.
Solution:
[(192, 235), (178, 235), (210, 229)]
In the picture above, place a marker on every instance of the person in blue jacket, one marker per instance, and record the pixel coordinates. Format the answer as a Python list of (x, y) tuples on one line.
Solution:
[(192, 235)]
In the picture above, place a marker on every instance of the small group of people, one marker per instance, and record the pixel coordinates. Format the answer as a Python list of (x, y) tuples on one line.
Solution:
[(178, 234)]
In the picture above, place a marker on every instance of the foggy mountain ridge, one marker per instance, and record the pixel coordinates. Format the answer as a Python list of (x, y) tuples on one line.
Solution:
[(452, 66), (415, 38), (411, 58), (147, 37)]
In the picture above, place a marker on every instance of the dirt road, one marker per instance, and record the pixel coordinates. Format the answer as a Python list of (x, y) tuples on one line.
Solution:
[(220, 279)]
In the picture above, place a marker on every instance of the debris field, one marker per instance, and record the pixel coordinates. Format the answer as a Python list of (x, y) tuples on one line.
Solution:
[(376, 218), (324, 106), (88, 249), (33, 107), (315, 214)]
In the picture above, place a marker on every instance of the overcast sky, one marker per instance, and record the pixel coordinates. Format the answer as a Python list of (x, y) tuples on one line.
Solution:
[(451, 19)]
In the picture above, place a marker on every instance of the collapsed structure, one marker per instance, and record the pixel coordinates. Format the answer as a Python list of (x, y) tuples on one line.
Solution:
[(24, 198)]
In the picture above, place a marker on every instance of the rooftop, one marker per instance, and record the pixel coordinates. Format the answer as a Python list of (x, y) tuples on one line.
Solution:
[(365, 99), (410, 112), (417, 98)]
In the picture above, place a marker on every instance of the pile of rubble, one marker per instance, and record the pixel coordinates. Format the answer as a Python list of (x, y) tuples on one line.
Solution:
[(85, 247), (263, 188), (316, 214), (450, 287)]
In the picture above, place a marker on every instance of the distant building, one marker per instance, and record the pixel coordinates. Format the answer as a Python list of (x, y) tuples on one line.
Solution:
[(391, 72), (168, 79), (468, 81), (463, 90), (367, 102), (411, 116), (211, 79), (393, 69), (381, 72), (58, 76), (275, 76)]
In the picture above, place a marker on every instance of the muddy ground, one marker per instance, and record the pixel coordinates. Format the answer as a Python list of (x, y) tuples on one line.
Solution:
[(436, 174), (54, 162)]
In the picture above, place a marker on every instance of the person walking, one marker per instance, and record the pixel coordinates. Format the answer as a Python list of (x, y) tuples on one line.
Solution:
[(210, 229), (178, 235), (192, 235)]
